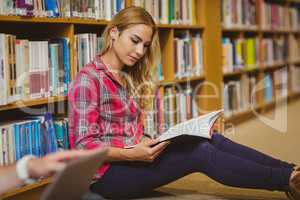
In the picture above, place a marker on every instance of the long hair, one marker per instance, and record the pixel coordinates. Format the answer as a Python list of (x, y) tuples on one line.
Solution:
[(140, 81)]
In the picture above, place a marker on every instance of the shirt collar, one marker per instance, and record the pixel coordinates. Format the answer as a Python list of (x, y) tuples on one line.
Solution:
[(101, 66)]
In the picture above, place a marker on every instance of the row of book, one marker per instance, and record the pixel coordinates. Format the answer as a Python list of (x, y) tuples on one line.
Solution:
[(170, 106), (188, 55), (170, 11), (243, 13), (239, 95), (242, 94), (276, 85), (238, 13), (33, 69), (37, 135), (273, 16), (294, 48), (94, 9), (294, 16), (240, 53), (274, 50), (295, 78), (243, 53), (86, 46)]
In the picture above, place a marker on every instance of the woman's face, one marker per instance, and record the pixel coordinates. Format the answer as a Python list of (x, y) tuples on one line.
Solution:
[(131, 44)]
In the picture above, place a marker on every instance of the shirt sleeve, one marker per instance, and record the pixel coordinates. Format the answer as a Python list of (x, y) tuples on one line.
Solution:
[(84, 114)]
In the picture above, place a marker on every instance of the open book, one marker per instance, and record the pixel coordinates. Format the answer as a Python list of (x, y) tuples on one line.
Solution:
[(200, 126)]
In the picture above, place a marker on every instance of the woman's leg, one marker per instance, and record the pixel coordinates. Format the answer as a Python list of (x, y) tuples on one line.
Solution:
[(130, 179), (226, 145)]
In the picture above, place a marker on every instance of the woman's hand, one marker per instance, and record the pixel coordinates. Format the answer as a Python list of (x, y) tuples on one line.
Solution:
[(147, 150)]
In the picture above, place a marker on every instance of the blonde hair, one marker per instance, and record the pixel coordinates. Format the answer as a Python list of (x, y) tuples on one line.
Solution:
[(144, 68)]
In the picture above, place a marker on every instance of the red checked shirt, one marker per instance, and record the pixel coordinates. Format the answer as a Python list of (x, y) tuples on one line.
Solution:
[(101, 112)]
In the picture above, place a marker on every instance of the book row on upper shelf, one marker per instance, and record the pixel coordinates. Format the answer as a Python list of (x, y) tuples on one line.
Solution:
[(245, 53), (36, 135), (33, 69), (93, 9), (274, 15), (170, 11), (163, 11), (242, 93)]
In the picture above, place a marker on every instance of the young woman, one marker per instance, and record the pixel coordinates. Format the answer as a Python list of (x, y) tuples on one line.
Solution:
[(105, 111)]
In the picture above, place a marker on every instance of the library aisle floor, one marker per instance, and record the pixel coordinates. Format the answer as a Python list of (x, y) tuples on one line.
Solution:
[(253, 133)]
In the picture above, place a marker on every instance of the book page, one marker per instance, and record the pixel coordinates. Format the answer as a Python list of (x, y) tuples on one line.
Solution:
[(199, 126)]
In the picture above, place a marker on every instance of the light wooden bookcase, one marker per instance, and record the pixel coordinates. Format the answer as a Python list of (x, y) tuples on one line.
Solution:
[(260, 33), (208, 14)]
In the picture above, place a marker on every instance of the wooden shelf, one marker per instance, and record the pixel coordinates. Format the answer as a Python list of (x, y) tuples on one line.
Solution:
[(240, 29), (240, 72), (294, 95), (293, 1), (176, 26), (235, 73), (240, 116), (295, 62), (189, 79), (276, 31), (273, 66), (294, 31), (82, 21), (180, 81), (25, 188), (34, 102)]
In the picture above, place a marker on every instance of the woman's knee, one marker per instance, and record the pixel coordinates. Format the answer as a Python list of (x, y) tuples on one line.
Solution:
[(203, 149), (217, 139)]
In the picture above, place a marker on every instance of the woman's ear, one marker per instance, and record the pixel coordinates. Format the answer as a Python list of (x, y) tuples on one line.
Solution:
[(114, 33)]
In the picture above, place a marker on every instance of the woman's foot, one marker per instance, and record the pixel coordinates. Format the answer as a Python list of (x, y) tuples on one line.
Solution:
[(294, 190)]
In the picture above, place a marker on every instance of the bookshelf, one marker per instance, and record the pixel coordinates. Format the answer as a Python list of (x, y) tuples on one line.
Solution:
[(274, 25), (205, 81), (204, 31)]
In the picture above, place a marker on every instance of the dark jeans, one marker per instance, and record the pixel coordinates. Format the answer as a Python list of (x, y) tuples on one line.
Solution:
[(219, 158)]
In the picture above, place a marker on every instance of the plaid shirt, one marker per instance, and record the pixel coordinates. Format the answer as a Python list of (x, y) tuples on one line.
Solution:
[(101, 112)]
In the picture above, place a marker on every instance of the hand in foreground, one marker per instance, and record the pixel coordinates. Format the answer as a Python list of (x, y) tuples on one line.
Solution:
[(55, 162), (147, 150)]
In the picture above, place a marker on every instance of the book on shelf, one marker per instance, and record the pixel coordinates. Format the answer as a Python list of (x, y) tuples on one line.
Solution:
[(268, 88), (86, 46), (36, 135), (274, 50), (273, 16), (91, 9), (281, 83), (170, 106), (294, 18), (239, 95), (295, 78), (240, 54), (33, 69), (170, 11), (238, 13), (294, 48), (200, 126), (188, 55)]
